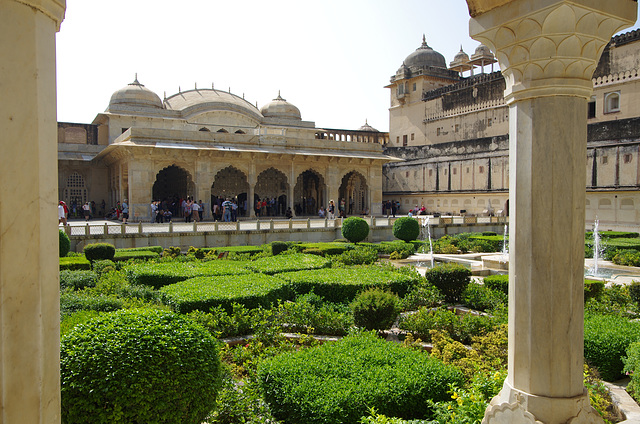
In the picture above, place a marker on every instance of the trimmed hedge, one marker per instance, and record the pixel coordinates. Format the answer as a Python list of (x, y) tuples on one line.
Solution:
[(606, 338), (355, 229), (459, 327), (593, 289), (343, 284), (77, 279), (451, 279), (154, 249), (339, 382), (79, 301), (375, 309), (493, 242), (286, 263), (73, 263), (497, 282), (125, 255), (482, 298), (251, 250), (613, 234), (632, 367), (162, 274), (64, 242), (330, 249), (204, 293), (406, 229), (97, 251), (138, 366)]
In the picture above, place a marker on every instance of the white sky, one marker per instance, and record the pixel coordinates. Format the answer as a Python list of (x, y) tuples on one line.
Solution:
[(330, 58)]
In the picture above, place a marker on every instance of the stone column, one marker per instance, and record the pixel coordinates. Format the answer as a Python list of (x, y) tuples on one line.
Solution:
[(292, 185), (548, 50), (252, 189), (29, 288)]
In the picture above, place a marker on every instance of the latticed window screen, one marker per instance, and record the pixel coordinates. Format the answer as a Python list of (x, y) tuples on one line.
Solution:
[(75, 189)]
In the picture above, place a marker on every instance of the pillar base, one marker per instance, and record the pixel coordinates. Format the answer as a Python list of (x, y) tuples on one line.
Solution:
[(512, 406)]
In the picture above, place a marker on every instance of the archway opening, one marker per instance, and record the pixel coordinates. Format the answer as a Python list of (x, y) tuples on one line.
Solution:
[(308, 193), (229, 183), (173, 184), (354, 195), (271, 189)]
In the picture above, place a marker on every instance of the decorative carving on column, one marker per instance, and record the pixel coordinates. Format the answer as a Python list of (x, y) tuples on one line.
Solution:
[(554, 48)]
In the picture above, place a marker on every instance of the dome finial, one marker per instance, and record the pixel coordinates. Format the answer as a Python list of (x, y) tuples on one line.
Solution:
[(424, 41), (279, 96), (135, 81)]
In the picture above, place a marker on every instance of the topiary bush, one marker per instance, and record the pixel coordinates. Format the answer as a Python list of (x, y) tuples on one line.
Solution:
[(65, 243), (451, 279), (138, 366), (375, 309), (593, 289), (337, 382), (77, 279), (96, 251), (406, 228), (606, 338), (482, 298), (278, 247), (497, 282), (632, 368), (362, 255), (355, 229), (103, 266)]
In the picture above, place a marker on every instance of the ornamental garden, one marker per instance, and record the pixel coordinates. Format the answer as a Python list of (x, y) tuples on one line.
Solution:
[(310, 332)]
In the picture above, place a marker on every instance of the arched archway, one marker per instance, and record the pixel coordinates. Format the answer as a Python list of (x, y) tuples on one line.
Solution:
[(172, 184), (272, 186), (355, 193), (308, 193), (232, 183)]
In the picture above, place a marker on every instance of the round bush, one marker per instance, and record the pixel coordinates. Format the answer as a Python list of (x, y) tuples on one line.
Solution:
[(65, 243), (406, 228), (338, 382), (97, 251), (375, 309), (138, 366), (450, 279), (278, 247), (355, 229)]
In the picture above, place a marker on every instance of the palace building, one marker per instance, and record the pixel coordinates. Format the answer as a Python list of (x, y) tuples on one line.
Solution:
[(450, 127), (210, 144)]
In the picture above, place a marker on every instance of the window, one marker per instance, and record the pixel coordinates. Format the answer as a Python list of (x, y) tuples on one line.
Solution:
[(398, 140), (438, 131), (240, 132), (591, 108), (467, 169), (481, 170), (222, 130), (413, 136), (489, 122), (605, 160), (406, 174), (404, 140), (455, 171), (414, 86), (457, 127), (445, 172), (627, 158), (430, 172), (204, 129), (612, 102)]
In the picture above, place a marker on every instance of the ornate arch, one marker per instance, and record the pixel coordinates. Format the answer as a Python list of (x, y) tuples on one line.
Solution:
[(173, 182), (309, 192), (355, 192)]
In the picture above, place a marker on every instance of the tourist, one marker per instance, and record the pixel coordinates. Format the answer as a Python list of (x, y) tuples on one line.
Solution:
[(288, 214), (103, 208), (332, 210), (86, 209), (226, 210), (62, 213), (195, 211), (234, 210), (118, 210), (257, 207), (200, 209), (154, 211), (125, 211), (321, 212), (342, 208)]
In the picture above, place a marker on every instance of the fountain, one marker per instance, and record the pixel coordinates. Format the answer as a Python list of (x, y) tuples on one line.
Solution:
[(505, 245), (426, 227), (596, 248)]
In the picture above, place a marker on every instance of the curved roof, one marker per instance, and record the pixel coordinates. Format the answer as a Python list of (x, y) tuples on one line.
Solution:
[(202, 100), (367, 127), (280, 108), (425, 56), (136, 95)]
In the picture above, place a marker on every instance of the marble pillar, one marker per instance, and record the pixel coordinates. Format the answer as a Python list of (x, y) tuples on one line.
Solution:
[(29, 288), (547, 50)]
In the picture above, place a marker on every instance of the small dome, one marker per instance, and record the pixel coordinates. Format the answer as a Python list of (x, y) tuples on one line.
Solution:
[(367, 127), (425, 56), (461, 57), (483, 50), (280, 108), (135, 94)]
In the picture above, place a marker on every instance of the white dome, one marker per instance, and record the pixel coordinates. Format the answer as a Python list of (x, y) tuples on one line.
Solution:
[(136, 95), (280, 108)]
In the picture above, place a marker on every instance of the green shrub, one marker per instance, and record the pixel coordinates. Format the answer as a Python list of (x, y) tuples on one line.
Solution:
[(309, 314), (154, 249), (632, 367), (361, 255), (204, 293), (403, 248), (73, 263), (489, 233), (355, 229), (249, 250), (482, 298), (328, 249), (461, 328), (593, 289), (159, 275), (171, 252), (497, 282), (77, 280), (335, 382), (98, 251), (65, 243), (606, 338), (78, 301), (450, 279), (634, 291), (406, 228), (445, 245), (125, 255), (422, 294), (627, 257), (138, 366), (375, 309), (487, 243), (103, 266), (343, 284), (69, 321), (287, 263), (278, 247)]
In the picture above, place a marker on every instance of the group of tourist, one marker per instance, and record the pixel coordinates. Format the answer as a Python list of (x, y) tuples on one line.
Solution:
[(226, 209), (390, 207)]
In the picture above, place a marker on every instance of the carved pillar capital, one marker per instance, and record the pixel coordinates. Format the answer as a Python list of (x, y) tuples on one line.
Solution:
[(550, 47), (51, 8)]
